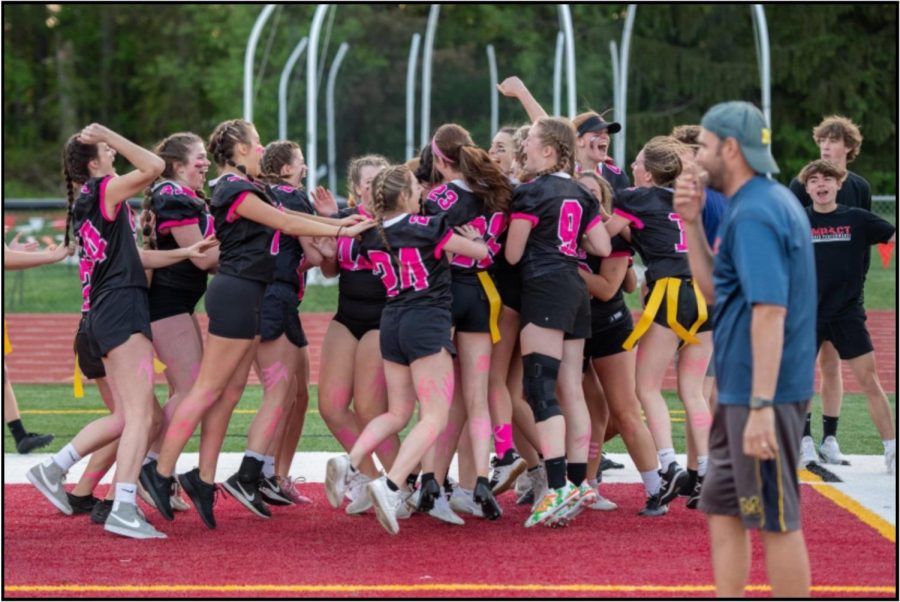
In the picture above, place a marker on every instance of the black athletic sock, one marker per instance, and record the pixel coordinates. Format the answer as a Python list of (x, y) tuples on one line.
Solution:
[(829, 426), (427, 476), (576, 472), (483, 480), (250, 470), (411, 480), (391, 485), (807, 426), (17, 429), (556, 472)]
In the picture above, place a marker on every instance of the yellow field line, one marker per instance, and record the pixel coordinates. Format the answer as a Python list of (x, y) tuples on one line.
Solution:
[(426, 587), (884, 528)]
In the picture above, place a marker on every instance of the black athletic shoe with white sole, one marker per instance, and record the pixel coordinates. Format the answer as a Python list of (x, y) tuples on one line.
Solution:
[(694, 499), (100, 511), (484, 497), (428, 492), (160, 489), (270, 489), (654, 507), (672, 480), (247, 493), (81, 504), (202, 494)]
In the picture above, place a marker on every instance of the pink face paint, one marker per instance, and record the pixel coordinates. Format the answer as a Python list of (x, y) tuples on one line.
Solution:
[(273, 375), (483, 364)]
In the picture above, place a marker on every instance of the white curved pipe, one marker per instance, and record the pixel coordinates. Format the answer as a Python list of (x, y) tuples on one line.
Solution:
[(557, 73), (495, 110), (762, 32), (329, 113), (425, 131), (410, 94), (312, 90), (622, 102), (283, 86), (249, 53), (565, 16)]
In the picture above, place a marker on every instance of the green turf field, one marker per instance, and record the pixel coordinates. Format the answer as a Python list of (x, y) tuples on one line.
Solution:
[(52, 409)]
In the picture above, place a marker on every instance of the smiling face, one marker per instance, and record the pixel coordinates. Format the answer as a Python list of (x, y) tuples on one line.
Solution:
[(409, 200), (249, 153), (595, 145), (822, 189), (293, 172), (538, 156), (501, 152), (363, 190), (642, 177), (192, 172)]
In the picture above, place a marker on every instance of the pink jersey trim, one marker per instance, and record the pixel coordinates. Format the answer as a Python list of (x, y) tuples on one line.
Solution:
[(362, 211), (232, 215), (531, 218), (594, 223), (439, 249), (631, 218), (585, 267), (165, 226), (103, 184), (619, 254)]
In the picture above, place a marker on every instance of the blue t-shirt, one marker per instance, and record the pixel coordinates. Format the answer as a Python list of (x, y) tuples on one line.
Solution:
[(713, 211), (764, 255)]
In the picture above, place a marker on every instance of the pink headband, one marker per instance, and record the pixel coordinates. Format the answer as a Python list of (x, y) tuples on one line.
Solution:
[(437, 152)]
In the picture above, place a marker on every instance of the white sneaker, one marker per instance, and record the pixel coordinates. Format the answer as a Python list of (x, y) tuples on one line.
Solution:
[(386, 503), (808, 453), (523, 484), (830, 452), (126, 520), (49, 478), (357, 494), (540, 486), (442, 511), (407, 508), (890, 456), (461, 500), (338, 473)]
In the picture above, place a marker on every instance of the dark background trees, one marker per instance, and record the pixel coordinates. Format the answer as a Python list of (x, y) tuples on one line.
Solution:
[(148, 70)]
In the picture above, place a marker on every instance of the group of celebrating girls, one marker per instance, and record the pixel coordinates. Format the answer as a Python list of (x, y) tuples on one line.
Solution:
[(486, 287)]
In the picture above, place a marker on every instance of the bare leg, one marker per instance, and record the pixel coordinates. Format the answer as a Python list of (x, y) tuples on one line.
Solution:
[(879, 407), (787, 564), (654, 354), (832, 381), (599, 412), (370, 392), (294, 424), (102, 459), (730, 545)]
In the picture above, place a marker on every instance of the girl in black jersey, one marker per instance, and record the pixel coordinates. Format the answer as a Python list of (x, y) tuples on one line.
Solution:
[(176, 215), (118, 324), (502, 150), (409, 254), (552, 217), (282, 357), (611, 324), (353, 336), (658, 234), (249, 228)]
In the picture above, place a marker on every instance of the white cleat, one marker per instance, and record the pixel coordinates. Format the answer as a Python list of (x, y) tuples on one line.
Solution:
[(461, 501), (386, 503), (830, 452), (337, 478), (358, 495), (442, 511)]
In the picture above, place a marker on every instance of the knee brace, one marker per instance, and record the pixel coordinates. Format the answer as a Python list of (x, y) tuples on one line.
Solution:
[(539, 383)]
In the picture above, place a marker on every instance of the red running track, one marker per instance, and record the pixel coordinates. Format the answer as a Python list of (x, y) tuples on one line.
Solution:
[(42, 348), (314, 546)]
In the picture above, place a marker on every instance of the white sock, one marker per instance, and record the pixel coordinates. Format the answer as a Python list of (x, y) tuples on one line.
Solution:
[(151, 456), (268, 466), (666, 457), (125, 493), (702, 462), (651, 481), (66, 457), (255, 456), (889, 445)]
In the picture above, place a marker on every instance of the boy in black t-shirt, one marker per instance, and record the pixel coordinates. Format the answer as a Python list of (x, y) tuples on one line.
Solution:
[(841, 238)]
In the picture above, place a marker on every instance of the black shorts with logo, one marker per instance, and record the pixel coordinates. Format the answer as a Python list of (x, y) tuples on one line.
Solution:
[(411, 333), (89, 363), (471, 308), (848, 334), (558, 300), (608, 340), (279, 316), (233, 305), (115, 315)]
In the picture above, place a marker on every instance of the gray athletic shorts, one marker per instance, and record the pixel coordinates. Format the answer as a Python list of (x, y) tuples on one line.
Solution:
[(764, 494)]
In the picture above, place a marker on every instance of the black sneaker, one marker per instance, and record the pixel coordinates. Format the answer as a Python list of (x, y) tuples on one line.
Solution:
[(694, 499), (672, 480), (100, 511), (526, 499), (484, 497), (270, 490), (688, 489), (428, 492), (202, 494), (248, 495), (160, 489), (32, 441), (505, 471), (654, 507), (607, 464), (82, 504)]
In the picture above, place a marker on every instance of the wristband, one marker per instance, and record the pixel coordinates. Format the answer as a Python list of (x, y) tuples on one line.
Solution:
[(339, 232), (758, 403)]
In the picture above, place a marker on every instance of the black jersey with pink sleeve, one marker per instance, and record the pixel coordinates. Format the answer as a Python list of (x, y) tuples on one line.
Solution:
[(290, 253), (601, 310), (657, 231), (173, 206), (410, 260), (357, 282), (615, 175), (247, 249), (560, 212), (457, 201), (107, 252)]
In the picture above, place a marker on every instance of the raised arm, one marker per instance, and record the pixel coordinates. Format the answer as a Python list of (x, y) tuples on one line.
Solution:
[(514, 88)]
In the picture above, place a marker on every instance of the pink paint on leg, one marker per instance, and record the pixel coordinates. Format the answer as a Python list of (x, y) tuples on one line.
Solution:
[(583, 441), (701, 421), (182, 430), (277, 414), (594, 451), (693, 367), (449, 385), (483, 364), (145, 368), (339, 397), (480, 428), (346, 437), (273, 375), (93, 477), (387, 447)]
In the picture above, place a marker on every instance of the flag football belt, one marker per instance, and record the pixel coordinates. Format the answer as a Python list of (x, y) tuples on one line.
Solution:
[(669, 288), (494, 299)]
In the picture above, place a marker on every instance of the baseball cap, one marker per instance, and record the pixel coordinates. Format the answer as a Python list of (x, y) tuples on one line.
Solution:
[(595, 124), (746, 124)]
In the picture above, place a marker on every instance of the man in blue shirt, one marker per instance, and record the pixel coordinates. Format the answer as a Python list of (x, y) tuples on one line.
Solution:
[(763, 280)]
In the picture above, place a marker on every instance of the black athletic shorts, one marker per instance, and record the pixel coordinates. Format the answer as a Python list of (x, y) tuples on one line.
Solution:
[(509, 285), (166, 301), (279, 315), (90, 364), (848, 334), (233, 306), (411, 333), (116, 315), (358, 316), (471, 308), (608, 341), (687, 308), (558, 300)]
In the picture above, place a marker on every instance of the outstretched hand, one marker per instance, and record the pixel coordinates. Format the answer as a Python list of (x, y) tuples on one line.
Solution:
[(358, 228), (27, 247), (467, 231), (512, 86), (198, 249), (323, 201)]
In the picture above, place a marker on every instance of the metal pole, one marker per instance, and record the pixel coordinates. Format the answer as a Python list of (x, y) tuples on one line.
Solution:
[(495, 110), (614, 59), (248, 59), (557, 73), (622, 101), (283, 87), (425, 130), (762, 29), (312, 94), (410, 94), (565, 16), (329, 112)]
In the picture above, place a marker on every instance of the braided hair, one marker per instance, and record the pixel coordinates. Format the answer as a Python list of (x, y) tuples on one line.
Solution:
[(559, 133), (224, 138), (75, 159), (388, 187), (481, 174), (277, 154)]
